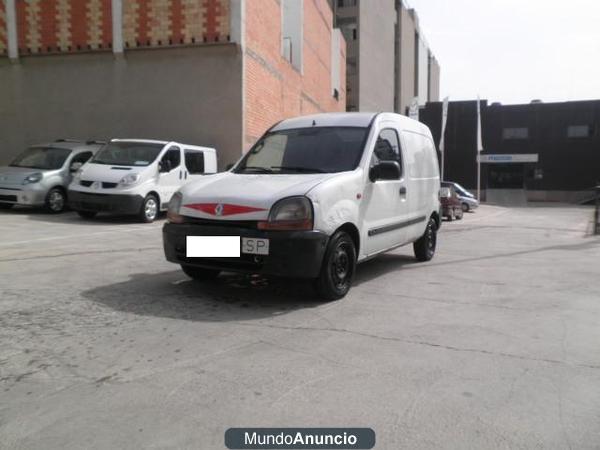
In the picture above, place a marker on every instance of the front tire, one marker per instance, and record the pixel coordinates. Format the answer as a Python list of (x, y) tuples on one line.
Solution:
[(149, 210), (56, 201), (6, 205), (199, 273), (465, 207), (337, 270), (425, 247)]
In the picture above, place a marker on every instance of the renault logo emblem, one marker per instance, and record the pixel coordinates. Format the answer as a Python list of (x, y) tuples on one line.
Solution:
[(219, 210)]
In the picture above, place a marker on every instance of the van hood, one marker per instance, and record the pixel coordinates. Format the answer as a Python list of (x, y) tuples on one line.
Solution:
[(232, 196), (107, 173), (10, 176)]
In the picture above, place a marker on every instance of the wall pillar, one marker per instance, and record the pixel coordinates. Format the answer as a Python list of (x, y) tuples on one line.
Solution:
[(11, 30), (117, 26)]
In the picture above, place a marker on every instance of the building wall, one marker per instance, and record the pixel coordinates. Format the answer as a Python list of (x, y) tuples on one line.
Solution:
[(406, 73), (434, 80), (376, 55), (569, 165), (187, 94), (274, 88)]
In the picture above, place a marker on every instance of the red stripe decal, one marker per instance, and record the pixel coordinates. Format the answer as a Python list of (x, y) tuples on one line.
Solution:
[(222, 209)]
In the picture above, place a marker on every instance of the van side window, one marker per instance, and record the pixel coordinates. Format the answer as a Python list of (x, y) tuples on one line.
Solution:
[(387, 147), (194, 161), (173, 155), (81, 157)]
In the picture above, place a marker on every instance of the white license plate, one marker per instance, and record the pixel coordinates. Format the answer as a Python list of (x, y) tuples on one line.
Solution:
[(255, 246)]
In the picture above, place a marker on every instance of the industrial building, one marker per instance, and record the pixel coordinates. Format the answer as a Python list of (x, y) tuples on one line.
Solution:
[(211, 72), (531, 152), (389, 62)]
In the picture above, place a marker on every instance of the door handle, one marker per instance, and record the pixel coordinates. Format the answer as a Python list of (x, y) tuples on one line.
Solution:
[(403, 190), (186, 174), (180, 174)]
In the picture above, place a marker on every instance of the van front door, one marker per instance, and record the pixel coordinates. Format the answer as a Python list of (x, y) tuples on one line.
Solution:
[(387, 206), (170, 176)]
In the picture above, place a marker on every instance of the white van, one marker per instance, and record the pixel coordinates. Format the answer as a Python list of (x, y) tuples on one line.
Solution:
[(313, 197), (136, 176)]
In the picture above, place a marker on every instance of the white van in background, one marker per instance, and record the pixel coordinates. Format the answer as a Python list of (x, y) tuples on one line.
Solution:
[(136, 176), (313, 197)]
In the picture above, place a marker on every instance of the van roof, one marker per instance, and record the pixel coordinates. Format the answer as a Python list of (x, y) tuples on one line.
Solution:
[(153, 141), (351, 119)]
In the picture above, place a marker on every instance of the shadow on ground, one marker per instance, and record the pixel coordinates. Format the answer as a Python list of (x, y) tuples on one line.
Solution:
[(231, 297)]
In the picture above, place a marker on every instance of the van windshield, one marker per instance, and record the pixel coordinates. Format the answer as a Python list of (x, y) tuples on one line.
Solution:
[(45, 158), (128, 154), (306, 150)]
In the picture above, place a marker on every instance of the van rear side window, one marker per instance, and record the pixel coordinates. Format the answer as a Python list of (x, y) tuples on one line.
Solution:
[(194, 161)]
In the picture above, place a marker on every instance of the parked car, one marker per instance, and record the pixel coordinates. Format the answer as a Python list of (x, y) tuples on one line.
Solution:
[(135, 176), (468, 200), (40, 175), (451, 204), (312, 198)]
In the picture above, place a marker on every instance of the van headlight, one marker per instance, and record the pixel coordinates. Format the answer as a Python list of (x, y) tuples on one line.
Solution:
[(173, 215), (33, 178), (130, 179), (292, 213)]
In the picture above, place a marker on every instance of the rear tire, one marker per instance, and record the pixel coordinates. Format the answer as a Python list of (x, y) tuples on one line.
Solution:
[(465, 207), (56, 201), (459, 214), (149, 209), (87, 214), (425, 247), (6, 205), (199, 273), (338, 268)]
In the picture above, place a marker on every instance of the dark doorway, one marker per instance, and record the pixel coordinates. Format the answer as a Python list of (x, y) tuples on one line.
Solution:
[(506, 176)]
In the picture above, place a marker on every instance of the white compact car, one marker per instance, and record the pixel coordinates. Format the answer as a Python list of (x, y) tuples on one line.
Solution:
[(134, 176), (314, 196)]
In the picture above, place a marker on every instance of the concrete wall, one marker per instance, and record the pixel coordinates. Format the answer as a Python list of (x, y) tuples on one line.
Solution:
[(422, 71), (376, 59), (406, 73), (434, 79), (274, 88), (191, 94)]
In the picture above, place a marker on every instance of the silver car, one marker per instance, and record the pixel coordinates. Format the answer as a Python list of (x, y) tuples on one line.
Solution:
[(467, 200), (40, 175)]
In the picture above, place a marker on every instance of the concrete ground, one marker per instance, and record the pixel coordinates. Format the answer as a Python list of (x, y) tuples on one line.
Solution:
[(494, 344)]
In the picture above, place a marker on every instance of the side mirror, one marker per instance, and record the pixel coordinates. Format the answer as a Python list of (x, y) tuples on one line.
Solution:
[(75, 166), (164, 166), (228, 167), (385, 170)]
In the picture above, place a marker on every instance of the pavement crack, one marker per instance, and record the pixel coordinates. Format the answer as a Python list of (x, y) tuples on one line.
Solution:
[(424, 343)]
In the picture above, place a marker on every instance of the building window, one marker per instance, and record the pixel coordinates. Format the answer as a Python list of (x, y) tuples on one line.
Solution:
[(346, 3), (515, 133), (578, 131), (292, 19), (349, 32)]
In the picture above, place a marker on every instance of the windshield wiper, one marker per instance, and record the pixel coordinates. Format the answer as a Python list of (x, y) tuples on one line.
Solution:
[(299, 169), (256, 168)]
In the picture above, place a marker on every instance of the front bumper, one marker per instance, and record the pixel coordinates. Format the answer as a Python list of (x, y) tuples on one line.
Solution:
[(295, 254), (22, 196), (113, 203)]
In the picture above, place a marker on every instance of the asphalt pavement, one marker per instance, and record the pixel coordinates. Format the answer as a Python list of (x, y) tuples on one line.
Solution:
[(493, 344)]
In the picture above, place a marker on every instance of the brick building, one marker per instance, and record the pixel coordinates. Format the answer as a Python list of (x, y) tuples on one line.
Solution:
[(210, 72)]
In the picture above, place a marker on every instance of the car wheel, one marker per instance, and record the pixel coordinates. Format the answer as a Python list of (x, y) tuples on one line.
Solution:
[(459, 214), (149, 210), (6, 205), (199, 273), (465, 207), (337, 270), (425, 247), (87, 214), (56, 200)]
